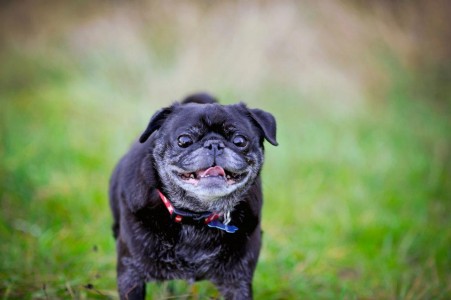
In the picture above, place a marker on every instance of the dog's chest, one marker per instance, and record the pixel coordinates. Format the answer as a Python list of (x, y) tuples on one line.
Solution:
[(188, 253), (196, 247)]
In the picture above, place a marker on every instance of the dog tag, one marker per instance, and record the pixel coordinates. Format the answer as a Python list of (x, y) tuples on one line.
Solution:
[(219, 225)]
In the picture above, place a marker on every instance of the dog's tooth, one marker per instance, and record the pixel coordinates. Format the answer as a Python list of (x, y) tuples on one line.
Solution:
[(191, 175)]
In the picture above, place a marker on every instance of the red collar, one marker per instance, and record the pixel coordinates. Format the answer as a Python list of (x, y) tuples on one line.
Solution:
[(208, 218), (179, 215)]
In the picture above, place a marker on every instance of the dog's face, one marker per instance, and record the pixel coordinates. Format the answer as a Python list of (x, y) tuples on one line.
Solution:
[(208, 155)]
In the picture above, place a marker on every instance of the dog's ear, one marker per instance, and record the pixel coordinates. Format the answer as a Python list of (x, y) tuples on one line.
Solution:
[(266, 122), (155, 122)]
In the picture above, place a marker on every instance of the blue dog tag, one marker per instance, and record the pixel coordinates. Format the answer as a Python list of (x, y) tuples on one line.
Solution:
[(219, 225)]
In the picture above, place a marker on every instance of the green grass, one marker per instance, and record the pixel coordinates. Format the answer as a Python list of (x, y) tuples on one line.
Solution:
[(360, 208), (357, 199)]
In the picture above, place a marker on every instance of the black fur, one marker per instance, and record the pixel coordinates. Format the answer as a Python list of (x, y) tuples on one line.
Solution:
[(150, 245)]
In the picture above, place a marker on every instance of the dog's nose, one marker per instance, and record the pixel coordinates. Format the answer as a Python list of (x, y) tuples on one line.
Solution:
[(216, 147)]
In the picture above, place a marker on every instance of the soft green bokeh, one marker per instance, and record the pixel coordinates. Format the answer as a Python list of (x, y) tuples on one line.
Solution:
[(357, 195)]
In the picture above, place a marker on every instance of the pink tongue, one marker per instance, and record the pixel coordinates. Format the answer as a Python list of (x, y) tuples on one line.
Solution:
[(213, 171)]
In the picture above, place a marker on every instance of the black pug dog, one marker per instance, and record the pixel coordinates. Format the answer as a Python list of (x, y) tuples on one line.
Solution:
[(187, 198)]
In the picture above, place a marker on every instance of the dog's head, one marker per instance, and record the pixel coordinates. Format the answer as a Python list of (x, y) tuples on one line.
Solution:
[(207, 155)]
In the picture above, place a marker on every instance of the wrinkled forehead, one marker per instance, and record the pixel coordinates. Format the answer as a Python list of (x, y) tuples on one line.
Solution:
[(210, 116)]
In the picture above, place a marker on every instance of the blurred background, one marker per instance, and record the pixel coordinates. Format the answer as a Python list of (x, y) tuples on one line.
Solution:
[(357, 195)]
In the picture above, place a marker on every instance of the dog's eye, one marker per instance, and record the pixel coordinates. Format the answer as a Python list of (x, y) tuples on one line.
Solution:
[(240, 141), (184, 140)]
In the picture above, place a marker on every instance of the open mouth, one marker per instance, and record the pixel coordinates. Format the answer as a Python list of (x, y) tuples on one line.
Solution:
[(213, 173)]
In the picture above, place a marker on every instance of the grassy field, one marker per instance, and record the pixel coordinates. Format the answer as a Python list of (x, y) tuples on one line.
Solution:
[(357, 195)]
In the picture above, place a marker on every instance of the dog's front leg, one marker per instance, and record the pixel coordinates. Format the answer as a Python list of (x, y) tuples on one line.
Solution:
[(131, 284), (239, 291), (137, 292)]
